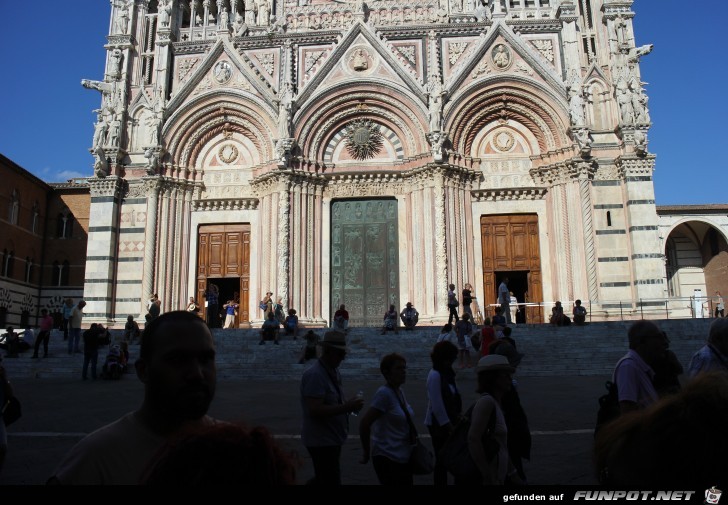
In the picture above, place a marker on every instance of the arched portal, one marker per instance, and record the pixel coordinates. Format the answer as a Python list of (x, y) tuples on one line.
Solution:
[(696, 258)]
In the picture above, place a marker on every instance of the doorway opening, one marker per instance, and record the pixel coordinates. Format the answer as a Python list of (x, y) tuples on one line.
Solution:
[(518, 285), (229, 289)]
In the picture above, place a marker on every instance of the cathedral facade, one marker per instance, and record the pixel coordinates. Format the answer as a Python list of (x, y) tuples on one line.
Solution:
[(371, 153)]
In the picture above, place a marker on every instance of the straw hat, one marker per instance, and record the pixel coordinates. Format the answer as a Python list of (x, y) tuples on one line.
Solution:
[(494, 362)]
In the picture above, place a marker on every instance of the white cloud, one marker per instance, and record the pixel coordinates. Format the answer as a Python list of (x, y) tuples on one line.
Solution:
[(64, 175)]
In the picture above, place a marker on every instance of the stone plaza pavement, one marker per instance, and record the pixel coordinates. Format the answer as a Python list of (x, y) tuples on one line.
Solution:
[(58, 412)]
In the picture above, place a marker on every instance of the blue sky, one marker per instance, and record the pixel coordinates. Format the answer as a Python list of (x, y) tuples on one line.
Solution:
[(46, 121)]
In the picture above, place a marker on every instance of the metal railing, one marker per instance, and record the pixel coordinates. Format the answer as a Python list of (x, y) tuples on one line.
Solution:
[(674, 307)]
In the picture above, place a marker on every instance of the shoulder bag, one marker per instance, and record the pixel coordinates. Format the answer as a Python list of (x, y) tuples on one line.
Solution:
[(422, 461)]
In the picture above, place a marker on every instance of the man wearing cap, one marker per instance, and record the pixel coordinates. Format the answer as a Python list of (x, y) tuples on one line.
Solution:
[(326, 410), (409, 316)]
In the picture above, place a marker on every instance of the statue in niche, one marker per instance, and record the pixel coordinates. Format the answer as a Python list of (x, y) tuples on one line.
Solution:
[(100, 129), (469, 6), (640, 142), (101, 166), (436, 94), (359, 60), (624, 100), (482, 11), (250, 12), (456, 5), (165, 12)]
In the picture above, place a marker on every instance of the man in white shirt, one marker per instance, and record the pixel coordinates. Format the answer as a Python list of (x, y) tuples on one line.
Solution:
[(504, 298)]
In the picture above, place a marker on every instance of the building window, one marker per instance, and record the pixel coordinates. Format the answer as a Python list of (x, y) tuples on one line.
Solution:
[(65, 272), (56, 274), (25, 319), (65, 225), (34, 219), (14, 208), (609, 218), (8, 263), (28, 270), (3, 316)]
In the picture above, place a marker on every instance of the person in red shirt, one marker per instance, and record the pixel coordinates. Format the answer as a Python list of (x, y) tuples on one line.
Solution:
[(46, 325), (487, 337)]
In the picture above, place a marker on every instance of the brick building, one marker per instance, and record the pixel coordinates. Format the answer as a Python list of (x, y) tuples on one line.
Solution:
[(43, 234)]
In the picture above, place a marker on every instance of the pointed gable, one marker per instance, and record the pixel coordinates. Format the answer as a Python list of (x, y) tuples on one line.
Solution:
[(361, 54)]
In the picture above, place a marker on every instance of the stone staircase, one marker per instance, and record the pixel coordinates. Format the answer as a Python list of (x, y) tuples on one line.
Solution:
[(549, 351)]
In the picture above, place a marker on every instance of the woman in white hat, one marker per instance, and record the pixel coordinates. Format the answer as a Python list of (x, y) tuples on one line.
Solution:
[(488, 434)]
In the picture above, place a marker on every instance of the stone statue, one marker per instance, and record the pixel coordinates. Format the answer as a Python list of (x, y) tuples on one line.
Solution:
[(634, 54), (582, 138), (152, 161), (165, 12), (115, 63), (122, 18), (576, 105), (437, 141), (640, 142), (482, 11), (107, 89), (224, 20), (359, 60), (263, 12), (501, 58), (114, 132), (101, 166), (285, 107), (435, 103), (250, 12), (624, 99), (100, 129), (239, 27), (639, 105), (456, 6), (469, 6)]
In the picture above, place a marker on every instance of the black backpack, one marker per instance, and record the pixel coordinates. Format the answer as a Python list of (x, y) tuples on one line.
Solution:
[(608, 407)]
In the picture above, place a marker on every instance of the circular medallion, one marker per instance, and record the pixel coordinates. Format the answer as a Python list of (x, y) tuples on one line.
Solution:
[(501, 57), (361, 136), (503, 140), (222, 71), (363, 139), (228, 153)]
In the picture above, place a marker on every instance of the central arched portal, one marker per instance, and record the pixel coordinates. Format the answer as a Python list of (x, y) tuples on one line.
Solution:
[(364, 259)]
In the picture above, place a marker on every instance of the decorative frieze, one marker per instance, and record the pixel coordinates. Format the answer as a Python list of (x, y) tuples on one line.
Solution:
[(508, 194), (107, 186), (225, 204), (545, 47)]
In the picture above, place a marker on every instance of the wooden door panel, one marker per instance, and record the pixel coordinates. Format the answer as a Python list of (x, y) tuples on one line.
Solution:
[(233, 256)]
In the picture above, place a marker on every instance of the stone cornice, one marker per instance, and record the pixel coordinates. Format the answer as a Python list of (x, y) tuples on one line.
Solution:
[(195, 47), (507, 194), (564, 171), (635, 166), (225, 204)]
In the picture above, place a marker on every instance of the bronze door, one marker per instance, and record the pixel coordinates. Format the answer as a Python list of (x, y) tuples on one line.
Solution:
[(223, 253), (510, 243), (364, 259)]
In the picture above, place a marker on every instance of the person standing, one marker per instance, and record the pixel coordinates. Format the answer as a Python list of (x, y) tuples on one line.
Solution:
[(91, 341), (452, 304), (504, 298), (177, 367), (719, 305), (633, 374), (213, 307), (66, 312), (464, 330), (131, 330), (467, 300), (44, 335), (74, 323), (326, 410), (385, 430), (444, 403), (513, 306), (231, 309)]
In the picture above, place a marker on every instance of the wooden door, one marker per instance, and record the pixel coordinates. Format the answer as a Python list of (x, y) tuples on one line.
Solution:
[(510, 243), (223, 252)]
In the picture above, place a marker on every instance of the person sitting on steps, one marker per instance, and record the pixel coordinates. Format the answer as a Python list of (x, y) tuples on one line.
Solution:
[(269, 330)]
